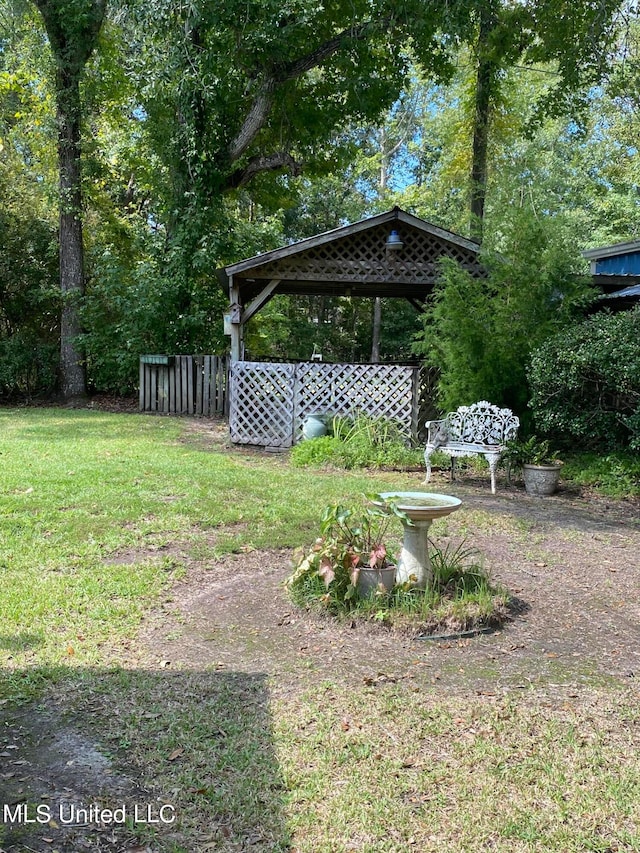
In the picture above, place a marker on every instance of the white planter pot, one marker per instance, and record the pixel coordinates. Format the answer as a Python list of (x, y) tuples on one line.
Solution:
[(541, 480), (368, 580)]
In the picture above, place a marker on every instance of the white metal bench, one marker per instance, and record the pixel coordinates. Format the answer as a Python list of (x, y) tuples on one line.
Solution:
[(481, 429)]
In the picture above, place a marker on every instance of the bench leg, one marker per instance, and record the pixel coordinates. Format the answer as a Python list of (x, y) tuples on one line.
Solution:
[(493, 464), (427, 462)]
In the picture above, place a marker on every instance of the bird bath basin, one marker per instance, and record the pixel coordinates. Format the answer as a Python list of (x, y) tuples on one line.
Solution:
[(421, 508)]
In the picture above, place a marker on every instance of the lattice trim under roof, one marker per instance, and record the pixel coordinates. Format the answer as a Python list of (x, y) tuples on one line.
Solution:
[(363, 258), (354, 260)]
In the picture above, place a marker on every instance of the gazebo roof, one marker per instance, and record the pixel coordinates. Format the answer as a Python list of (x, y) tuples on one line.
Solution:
[(355, 260)]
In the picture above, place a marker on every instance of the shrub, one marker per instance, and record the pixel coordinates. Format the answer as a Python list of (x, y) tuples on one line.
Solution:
[(358, 442), (585, 383), (315, 451), (28, 365), (479, 332)]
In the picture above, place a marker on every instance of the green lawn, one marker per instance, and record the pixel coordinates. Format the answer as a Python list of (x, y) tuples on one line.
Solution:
[(251, 764), (77, 487)]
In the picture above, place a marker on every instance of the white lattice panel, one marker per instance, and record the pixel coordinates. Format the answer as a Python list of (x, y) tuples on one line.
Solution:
[(379, 391), (261, 409)]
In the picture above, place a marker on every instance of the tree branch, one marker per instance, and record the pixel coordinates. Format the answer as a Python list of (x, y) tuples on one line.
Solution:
[(262, 163), (259, 109)]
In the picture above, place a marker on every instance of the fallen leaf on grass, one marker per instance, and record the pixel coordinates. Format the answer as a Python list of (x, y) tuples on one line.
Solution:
[(175, 754)]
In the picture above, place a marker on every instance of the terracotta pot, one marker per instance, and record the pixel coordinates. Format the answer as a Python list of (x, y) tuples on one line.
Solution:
[(541, 480)]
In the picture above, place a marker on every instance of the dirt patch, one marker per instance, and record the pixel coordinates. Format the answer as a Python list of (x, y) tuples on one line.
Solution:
[(52, 775), (571, 563)]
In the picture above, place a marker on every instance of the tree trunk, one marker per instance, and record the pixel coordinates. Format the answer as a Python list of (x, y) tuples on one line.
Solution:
[(73, 378), (485, 80), (72, 29), (377, 302)]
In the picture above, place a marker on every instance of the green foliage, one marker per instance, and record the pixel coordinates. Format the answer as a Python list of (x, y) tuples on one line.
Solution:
[(358, 442), (29, 298), (480, 332), (28, 365), (315, 451), (460, 597), (528, 451), (131, 309), (614, 474), (349, 541), (585, 383)]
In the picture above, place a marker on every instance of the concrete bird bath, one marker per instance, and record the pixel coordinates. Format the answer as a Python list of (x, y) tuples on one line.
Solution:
[(420, 508)]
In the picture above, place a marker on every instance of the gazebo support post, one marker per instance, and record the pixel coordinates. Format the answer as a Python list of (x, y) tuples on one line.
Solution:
[(236, 322)]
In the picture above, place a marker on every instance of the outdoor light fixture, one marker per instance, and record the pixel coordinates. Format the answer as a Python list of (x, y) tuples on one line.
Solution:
[(393, 241)]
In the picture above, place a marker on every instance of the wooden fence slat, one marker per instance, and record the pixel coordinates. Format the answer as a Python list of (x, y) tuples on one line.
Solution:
[(141, 388), (153, 390), (206, 386), (163, 389), (190, 402), (221, 386), (172, 389), (184, 398), (198, 383)]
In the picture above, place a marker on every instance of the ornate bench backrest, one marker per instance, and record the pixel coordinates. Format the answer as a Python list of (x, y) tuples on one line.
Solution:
[(482, 423)]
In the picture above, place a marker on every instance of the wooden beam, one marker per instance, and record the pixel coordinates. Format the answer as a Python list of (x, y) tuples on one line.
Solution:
[(260, 300), (419, 306), (236, 328)]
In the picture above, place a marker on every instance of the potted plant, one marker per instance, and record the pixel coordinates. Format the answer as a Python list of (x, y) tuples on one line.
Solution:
[(539, 464), (350, 556)]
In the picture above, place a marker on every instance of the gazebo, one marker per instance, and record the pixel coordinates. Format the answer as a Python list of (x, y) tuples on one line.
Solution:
[(392, 254)]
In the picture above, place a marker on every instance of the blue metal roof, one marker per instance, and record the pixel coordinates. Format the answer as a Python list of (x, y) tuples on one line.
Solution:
[(633, 290)]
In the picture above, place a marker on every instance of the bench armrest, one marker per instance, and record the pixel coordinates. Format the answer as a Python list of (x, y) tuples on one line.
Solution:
[(437, 432)]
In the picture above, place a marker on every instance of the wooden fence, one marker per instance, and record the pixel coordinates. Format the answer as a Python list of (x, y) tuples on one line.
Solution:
[(184, 385)]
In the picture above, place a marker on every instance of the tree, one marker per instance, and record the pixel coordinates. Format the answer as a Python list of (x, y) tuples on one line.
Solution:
[(480, 332), (72, 28)]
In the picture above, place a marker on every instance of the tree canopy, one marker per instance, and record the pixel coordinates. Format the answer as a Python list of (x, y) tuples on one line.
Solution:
[(209, 132)]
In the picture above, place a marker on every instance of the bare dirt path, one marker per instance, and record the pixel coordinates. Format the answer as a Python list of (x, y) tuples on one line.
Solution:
[(572, 563)]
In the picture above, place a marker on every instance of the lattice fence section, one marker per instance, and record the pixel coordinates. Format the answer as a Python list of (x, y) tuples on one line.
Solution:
[(425, 395), (363, 257), (378, 391), (261, 411), (184, 385)]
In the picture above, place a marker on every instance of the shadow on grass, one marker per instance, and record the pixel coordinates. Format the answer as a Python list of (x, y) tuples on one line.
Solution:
[(184, 762), (20, 642)]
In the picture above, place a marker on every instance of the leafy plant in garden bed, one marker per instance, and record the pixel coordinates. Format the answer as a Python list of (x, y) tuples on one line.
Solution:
[(358, 442), (349, 545), (460, 597), (326, 578), (615, 474)]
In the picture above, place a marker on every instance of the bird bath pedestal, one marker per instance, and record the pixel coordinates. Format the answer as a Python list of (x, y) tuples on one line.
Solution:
[(420, 508)]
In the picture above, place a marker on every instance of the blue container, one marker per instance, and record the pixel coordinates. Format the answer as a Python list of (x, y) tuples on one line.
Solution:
[(314, 426)]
